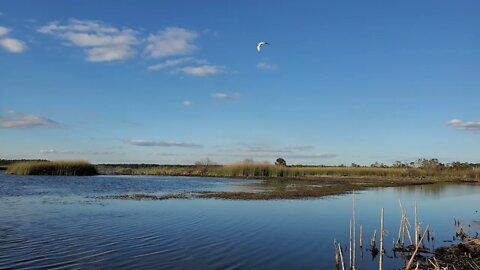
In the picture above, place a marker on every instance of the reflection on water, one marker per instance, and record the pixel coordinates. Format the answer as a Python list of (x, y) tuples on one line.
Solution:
[(51, 222)]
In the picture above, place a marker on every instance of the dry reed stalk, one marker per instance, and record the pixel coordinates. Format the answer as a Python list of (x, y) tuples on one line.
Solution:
[(403, 230), (416, 225), (435, 264), (410, 262), (374, 239), (399, 238), (354, 231), (341, 256), (407, 224), (380, 267), (361, 237), (336, 253), (350, 247)]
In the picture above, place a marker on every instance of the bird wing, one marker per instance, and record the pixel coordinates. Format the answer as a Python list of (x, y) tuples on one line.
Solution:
[(260, 45)]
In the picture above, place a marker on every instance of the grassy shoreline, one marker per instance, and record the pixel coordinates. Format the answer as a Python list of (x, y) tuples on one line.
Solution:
[(297, 182), (276, 182)]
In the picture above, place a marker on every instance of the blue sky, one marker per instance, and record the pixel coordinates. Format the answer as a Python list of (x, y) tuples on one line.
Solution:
[(178, 81)]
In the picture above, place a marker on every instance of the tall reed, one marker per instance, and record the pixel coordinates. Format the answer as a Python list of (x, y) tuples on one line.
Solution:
[(67, 168)]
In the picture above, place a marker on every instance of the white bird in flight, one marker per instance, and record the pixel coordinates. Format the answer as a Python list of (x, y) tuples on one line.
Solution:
[(260, 45)]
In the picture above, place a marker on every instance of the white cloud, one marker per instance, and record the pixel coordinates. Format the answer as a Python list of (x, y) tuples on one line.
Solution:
[(21, 120), (13, 45), (10, 44), (200, 70), (171, 41), (102, 42), (4, 30), (162, 143), (70, 152), (222, 95), (266, 66), (102, 54), (187, 103), (466, 126)]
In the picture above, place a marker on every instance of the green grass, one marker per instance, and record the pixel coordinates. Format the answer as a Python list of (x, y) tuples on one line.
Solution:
[(66, 168)]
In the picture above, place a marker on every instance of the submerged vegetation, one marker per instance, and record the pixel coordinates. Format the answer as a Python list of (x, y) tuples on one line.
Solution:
[(65, 168)]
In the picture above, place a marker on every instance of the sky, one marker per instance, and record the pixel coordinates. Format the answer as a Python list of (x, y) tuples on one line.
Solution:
[(174, 82)]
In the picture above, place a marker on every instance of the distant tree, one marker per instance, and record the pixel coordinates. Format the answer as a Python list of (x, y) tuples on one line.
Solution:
[(399, 164), (355, 165), (205, 162), (433, 163), (374, 165), (280, 162), (204, 165)]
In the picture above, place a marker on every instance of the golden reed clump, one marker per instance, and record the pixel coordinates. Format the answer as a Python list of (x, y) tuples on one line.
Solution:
[(65, 168)]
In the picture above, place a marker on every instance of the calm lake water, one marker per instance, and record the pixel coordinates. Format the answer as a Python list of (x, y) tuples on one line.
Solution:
[(55, 223)]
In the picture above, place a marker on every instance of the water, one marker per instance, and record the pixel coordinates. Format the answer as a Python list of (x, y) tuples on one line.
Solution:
[(54, 222)]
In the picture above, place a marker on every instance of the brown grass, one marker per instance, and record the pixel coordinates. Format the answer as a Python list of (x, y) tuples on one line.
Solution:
[(264, 170)]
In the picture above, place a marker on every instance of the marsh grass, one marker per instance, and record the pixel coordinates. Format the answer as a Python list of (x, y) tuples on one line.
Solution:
[(65, 168), (265, 170)]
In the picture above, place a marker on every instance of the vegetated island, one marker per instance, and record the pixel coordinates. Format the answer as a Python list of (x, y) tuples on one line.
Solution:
[(276, 181), (279, 181)]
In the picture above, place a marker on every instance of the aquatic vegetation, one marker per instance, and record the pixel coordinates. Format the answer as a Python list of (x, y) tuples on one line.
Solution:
[(66, 168)]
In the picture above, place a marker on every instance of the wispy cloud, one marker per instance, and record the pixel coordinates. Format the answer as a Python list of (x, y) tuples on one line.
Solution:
[(3, 30), (22, 120), (162, 154), (171, 41), (286, 156), (169, 63), (102, 42), (176, 62), (466, 126), (266, 66), (200, 71), (162, 143), (187, 103), (11, 44), (263, 149), (313, 156), (223, 95), (70, 152)]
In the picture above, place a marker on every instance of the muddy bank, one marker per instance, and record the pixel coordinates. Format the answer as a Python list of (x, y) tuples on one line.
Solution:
[(146, 197), (465, 255), (275, 189)]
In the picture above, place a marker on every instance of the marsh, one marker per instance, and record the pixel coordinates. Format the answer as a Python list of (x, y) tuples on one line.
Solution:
[(57, 221)]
